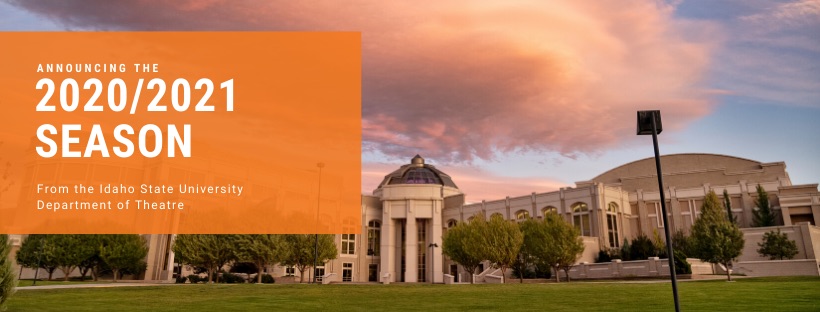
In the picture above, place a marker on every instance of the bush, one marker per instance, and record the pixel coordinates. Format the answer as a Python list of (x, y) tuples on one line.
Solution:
[(681, 265), (603, 256), (543, 272), (642, 248), (230, 278), (194, 278), (181, 279), (266, 279), (527, 273)]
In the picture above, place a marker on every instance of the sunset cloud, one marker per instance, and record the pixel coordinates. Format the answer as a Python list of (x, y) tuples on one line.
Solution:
[(465, 80)]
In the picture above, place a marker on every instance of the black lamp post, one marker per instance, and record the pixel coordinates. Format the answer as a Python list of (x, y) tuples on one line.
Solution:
[(649, 122), (316, 242), (433, 263)]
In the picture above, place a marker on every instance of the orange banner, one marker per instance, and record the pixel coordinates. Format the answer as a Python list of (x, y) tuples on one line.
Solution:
[(180, 132)]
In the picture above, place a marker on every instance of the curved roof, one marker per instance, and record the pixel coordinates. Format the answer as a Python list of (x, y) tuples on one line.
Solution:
[(682, 165), (417, 172)]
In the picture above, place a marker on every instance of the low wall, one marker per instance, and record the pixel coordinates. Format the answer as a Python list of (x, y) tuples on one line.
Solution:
[(641, 268), (805, 236), (804, 267)]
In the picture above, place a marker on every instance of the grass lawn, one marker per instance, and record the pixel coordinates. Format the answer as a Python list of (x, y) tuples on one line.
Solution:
[(751, 294)]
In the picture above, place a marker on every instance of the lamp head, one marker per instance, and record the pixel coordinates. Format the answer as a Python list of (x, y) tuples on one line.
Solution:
[(645, 122)]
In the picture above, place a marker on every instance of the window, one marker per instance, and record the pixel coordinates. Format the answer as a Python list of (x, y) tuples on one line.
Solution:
[(290, 271), (373, 237), (348, 244), (612, 224), (658, 215), (451, 223), (522, 215), (548, 209), (580, 218), (347, 272)]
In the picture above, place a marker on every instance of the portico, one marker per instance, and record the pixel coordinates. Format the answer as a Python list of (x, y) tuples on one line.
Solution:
[(412, 198)]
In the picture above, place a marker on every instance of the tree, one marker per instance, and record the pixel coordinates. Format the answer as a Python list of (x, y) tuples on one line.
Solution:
[(727, 203), (660, 245), (456, 244), (69, 251), (36, 251), (124, 252), (93, 263), (763, 215), (8, 280), (777, 245), (299, 251), (500, 242), (260, 249), (529, 246), (682, 243), (715, 239), (210, 251), (553, 243)]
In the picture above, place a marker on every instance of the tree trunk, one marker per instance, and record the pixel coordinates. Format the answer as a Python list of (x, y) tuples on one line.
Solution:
[(95, 273), (66, 272), (728, 274), (301, 276), (116, 272), (503, 275), (50, 272), (83, 272), (259, 275), (557, 274), (566, 272), (210, 275)]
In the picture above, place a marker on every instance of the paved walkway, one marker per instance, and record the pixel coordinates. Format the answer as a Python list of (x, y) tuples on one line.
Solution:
[(92, 285)]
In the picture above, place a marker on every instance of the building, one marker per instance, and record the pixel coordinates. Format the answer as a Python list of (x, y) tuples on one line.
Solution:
[(403, 220), (616, 205)]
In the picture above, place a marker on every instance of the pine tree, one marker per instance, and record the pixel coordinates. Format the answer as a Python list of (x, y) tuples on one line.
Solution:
[(7, 279), (714, 238), (727, 202), (763, 215)]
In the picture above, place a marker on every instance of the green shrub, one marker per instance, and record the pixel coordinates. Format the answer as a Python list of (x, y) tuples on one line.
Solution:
[(527, 273), (266, 279), (194, 278), (603, 256), (181, 279), (681, 265), (642, 248), (230, 278)]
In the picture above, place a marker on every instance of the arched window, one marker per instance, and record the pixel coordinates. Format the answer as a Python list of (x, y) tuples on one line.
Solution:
[(374, 234), (580, 218), (451, 223), (522, 215), (548, 209), (612, 224)]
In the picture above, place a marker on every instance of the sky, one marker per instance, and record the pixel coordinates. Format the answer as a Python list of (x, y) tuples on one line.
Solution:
[(514, 97)]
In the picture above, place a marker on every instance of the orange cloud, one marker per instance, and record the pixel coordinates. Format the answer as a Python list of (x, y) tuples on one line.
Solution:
[(460, 80)]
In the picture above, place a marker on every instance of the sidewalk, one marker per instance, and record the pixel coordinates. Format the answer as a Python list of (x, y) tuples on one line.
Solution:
[(90, 285)]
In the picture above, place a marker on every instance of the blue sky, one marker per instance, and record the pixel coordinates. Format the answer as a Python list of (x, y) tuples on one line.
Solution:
[(743, 79)]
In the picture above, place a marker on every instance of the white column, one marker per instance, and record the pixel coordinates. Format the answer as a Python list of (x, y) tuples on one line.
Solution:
[(388, 247), (435, 231), (411, 265)]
